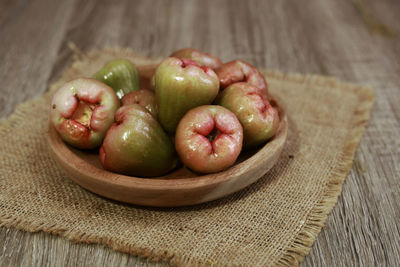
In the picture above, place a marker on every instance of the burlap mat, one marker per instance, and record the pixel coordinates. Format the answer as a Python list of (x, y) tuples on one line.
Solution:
[(272, 222)]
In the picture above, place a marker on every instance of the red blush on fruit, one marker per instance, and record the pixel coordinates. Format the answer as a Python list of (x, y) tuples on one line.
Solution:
[(209, 139)]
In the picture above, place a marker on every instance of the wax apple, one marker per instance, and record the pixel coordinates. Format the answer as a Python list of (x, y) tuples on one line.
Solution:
[(144, 98), (209, 139), (82, 110), (181, 84), (203, 59), (240, 71), (137, 145), (259, 119), (121, 75)]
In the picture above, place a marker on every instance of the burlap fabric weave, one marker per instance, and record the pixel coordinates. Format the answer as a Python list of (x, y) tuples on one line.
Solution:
[(272, 222)]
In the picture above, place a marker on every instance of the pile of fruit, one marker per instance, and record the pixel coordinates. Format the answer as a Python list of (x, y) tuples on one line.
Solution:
[(196, 110)]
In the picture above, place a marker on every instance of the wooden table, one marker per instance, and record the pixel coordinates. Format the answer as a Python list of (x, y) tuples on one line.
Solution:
[(357, 41)]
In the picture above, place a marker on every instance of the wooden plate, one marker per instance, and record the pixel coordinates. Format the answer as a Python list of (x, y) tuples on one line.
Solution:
[(179, 188)]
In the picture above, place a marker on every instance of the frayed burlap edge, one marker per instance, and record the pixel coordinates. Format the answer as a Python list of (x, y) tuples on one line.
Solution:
[(315, 220)]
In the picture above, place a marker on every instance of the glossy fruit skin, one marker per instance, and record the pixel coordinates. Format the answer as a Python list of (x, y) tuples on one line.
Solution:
[(259, 119), (137, 145), (82, 110), (144, 98), (209, 139), (180, 86), (203, 59), (121, 75), (240, 71), (152, 85)]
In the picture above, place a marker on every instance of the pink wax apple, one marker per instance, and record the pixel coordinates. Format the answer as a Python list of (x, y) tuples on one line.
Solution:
[(82, 110), (209, 139), (144, 98), (203, 59), (259, 119), (240, 71)]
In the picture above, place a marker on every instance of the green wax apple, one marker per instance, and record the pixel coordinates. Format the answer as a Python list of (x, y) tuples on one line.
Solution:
[(180, 85), (121, 75), (137, 145)]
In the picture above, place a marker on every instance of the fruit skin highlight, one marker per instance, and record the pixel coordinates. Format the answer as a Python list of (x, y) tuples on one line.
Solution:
[(240, 71), (143, 97), (209, 139), (121, 75), (136, 145), (82, 110), (203, 59), (180, 85), (152, 85), (259, 119)]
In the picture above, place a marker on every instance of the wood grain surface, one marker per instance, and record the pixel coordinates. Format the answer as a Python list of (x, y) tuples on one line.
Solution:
[(357, 41)]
